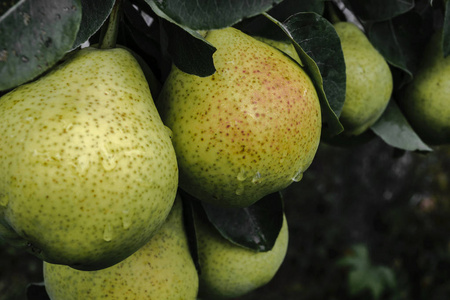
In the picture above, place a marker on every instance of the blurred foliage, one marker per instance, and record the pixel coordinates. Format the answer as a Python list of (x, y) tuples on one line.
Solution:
[(394, 204)]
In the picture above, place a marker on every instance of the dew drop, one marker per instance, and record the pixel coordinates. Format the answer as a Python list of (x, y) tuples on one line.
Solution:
[(108, 233), (298, 176), (241, 175), (240, 190), (82, 164), (257, 178), (107, 158), (4, 200), (126, 219)]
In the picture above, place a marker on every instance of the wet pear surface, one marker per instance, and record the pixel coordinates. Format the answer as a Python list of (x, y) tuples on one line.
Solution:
[(250, 129), (426, 101), (87, 168), (369, 80), (229, 271), (161, 270)]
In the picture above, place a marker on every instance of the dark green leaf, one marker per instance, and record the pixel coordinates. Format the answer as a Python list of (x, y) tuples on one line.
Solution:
[(446, 30), (94, 14), (393, 128), (36, 291), (255, 227), (261, 26), (380, 10), (401, 40), (206, 14), (34, 35), (319, 48), (189, 51)]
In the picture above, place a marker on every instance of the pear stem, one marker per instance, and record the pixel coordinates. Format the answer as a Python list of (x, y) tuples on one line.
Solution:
[(333, 15), (110, 30)]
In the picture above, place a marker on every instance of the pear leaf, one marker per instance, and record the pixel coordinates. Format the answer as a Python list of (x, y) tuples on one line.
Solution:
[(35, 34), (319, 48), (261, 26), (393, 128), (446, 30), (255, 227), (36, 291), (189, 51), (94, 14), (401, 40), (364, 276), (380, 10), (206, 14)]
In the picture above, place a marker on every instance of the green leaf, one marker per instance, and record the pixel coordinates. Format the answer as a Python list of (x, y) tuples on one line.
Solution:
[(206, 14), (94, 14), (34, 35), (261, 26), (393, 128), (319, 48), (401, 40), (446, 30), (363, 275), (189, 51), (380, 10), (255, 227)]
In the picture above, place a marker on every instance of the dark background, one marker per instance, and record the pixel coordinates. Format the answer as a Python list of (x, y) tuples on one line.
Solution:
[(393, 203)]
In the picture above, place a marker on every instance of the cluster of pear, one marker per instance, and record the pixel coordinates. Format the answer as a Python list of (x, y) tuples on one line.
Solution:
[(369, 88), (90, 168)]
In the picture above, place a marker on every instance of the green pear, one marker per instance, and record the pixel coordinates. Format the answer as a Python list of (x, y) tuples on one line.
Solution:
[(248, 130), (369, 80), (88, 170), (228, 270), (162, 269), (284, 46), (426, 100)]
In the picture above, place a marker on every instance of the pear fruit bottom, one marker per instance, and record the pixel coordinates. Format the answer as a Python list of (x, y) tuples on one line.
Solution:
[(369, 80), (426, 100), (228, 270), (162, 269), (248, 130), (88, 172)]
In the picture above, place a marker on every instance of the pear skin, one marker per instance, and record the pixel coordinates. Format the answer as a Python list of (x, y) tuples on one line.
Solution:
[(369, 80), (162, 269), (248, 130), (230, 271), (426, 100), (88, 172)]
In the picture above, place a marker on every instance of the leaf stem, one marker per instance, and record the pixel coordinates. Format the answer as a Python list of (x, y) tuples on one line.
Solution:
[(110, 29)]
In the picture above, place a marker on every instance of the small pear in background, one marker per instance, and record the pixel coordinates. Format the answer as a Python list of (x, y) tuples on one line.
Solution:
[(248, 130), (426, 100), (228, 270), (162, 269), (369, 80), (88, 172)]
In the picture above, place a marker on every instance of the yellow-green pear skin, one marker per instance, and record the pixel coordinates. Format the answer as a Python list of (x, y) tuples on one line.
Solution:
[(369, 80), (284, 46), (228, 270), (88, 172), (426, 101), (161, 270), (248, 130)]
